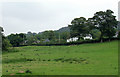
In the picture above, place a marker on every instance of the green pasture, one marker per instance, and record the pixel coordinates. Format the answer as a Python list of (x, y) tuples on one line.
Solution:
[(84, 59)]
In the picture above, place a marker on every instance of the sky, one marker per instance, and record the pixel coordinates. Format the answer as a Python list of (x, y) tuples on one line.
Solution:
[(21, 16)]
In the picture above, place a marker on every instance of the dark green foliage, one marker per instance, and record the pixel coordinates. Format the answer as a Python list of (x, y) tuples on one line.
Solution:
[(105, 21), (48, 35), (5, 42), (31, 39), (65, 35), (16, 39), (95, 33), (78, 27)]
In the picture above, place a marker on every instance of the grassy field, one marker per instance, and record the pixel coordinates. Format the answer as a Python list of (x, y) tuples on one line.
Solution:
[(84, 59)]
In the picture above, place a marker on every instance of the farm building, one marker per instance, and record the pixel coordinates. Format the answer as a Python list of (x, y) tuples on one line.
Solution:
[(72, 39), (76, 38), (88, 37)]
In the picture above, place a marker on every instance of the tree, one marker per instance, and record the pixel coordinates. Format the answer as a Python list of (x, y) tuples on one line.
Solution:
[(38, 36), (91, 24), (65, 35), (23, 36), (78, 27), (106, 23), (5, 42), (29, 34), (15, 39), (49, 35), (95, 33), (31, 40), (111, 24)]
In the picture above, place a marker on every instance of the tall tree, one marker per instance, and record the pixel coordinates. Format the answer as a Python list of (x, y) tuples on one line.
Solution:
[(111, 24), (106, 23), (78, 27)]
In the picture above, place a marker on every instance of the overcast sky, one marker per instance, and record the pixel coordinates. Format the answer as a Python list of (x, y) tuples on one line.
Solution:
[(37, 16)]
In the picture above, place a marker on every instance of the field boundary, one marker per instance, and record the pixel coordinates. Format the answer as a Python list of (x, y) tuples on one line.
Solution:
[(73, 43)]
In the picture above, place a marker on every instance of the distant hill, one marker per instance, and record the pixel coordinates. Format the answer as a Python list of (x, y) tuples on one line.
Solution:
[(63, 29)]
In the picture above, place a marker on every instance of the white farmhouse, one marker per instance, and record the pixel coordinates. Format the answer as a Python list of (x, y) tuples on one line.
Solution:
[(88, 37), (76, 38), (72, 39)]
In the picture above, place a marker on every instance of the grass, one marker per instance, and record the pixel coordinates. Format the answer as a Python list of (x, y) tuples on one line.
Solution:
[(84, 59)]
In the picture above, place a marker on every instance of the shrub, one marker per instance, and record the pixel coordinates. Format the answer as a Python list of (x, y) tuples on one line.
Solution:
[(5, 44)]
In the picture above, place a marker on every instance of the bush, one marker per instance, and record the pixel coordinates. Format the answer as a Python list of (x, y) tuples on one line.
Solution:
[(5, 44)]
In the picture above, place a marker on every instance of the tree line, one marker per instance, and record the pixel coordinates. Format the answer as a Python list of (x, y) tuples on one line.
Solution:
[(103, 21), (102, 25)]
